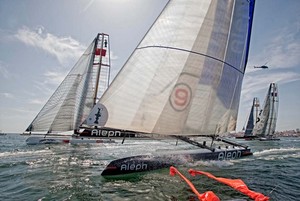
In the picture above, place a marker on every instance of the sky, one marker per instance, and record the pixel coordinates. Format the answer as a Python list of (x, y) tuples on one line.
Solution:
[(40, 41)]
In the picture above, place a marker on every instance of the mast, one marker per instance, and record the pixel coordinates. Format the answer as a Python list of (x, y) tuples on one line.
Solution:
[(256, 108), (271, 109), (103, 39)]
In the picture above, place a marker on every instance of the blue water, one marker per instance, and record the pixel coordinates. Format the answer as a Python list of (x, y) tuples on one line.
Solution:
[(73, 172)]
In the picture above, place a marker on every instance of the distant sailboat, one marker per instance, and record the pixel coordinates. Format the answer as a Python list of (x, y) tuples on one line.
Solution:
[(183, 80), (248, 133), (267, 118), (2, 133), (75, 97)]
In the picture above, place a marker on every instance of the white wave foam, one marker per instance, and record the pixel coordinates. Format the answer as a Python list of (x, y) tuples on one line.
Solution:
[(22, 153), (276, 151), (278, 154), (220, 164), (280, 157)]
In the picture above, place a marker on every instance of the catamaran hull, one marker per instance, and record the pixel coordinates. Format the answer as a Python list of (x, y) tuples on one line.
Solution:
[(247, 137), (144, 163), (268, 139), (64, 140), (43, 140)]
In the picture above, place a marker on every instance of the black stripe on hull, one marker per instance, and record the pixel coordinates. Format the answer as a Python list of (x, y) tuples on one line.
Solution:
[(144, 163), (268, 139), (247, 137)]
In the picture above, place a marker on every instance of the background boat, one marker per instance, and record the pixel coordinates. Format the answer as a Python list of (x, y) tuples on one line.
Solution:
[(248, 131), (266, 121), (63, 119), (73, 100), (2, 133)]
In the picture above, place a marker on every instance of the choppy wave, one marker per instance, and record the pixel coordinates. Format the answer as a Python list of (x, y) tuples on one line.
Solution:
[(73, 172), (277, 151), (219, 164), (17, 153)]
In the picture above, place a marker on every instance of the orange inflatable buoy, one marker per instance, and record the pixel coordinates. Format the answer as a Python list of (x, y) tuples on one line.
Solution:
[(207, 196), (236, 184)]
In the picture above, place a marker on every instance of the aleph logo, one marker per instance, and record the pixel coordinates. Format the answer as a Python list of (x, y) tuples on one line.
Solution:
[(134, 166), (106, 133), (227, 155)]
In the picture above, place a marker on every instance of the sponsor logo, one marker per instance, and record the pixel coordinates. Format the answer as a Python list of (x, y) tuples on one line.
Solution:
[(106, 133), (98, 115), (227, 155), (134, 166), (180, 97)]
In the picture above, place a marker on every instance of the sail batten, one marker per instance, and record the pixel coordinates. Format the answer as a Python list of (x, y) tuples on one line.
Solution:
[(185, 76), (199, 53)]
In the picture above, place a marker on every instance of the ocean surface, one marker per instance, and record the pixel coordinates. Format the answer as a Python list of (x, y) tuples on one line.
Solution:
[(73, 172)]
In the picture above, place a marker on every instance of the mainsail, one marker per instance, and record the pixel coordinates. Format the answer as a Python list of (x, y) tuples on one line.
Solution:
[(185, 76), (73, 100), (252, 117), (267, 118)]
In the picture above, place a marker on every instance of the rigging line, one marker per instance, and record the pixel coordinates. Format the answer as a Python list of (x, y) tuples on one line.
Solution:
[(180, 49), (273, 189)]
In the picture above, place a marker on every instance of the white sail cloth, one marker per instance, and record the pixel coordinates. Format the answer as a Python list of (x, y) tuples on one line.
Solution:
[(185, 76), (73, 100)]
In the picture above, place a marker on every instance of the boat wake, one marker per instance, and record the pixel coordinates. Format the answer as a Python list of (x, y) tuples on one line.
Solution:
[(280, 153), (276, 151), (212, 163), (17, 153)]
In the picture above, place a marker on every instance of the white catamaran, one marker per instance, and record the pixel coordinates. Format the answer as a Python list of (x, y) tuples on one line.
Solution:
[(183, 80), (265, 125), (248, 131), (71, 103)]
